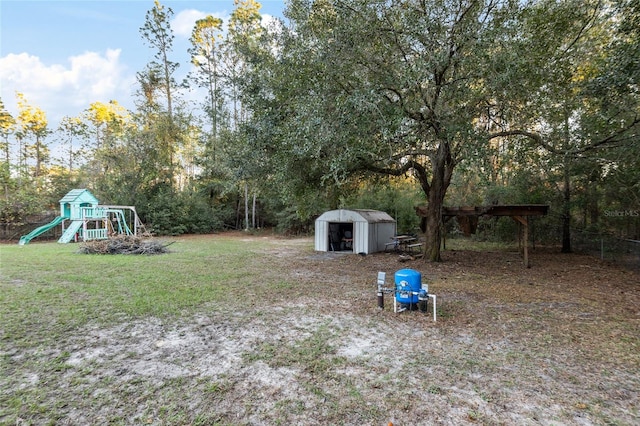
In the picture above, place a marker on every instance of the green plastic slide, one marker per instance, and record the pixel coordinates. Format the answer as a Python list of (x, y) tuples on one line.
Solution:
[(41, 230)]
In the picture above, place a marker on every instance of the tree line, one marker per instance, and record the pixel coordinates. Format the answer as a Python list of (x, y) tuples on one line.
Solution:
[(353, 103)]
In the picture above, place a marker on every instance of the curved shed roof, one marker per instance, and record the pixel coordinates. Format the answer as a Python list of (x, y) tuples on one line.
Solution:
[(357, 215)]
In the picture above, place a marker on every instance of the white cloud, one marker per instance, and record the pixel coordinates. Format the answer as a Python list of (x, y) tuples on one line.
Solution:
[(68, 89), (268, 20), (183, 23)]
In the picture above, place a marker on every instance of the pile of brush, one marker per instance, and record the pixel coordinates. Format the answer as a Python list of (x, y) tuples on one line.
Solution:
[(124, 245)]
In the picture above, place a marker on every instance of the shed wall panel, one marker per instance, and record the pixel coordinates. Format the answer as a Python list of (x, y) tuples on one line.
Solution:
[(360, 237), (322, 235), (373, 237), (371, 242), (384, 233)]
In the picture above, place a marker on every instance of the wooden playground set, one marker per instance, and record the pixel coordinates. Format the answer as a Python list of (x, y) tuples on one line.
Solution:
[(87, 220)]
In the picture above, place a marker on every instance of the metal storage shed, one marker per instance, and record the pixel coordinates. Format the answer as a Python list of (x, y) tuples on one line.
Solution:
[(369, 230)]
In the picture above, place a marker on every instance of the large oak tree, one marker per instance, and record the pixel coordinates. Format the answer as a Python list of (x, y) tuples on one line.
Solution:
[(383, 87)]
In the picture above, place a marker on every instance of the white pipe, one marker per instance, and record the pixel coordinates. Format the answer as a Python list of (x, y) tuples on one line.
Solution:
[(434, 305)]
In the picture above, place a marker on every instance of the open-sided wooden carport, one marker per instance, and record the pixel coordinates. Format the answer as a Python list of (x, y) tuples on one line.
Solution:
[(518, 212)]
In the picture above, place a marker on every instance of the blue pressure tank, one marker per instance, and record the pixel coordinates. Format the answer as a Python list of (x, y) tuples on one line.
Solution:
[(408, 281)]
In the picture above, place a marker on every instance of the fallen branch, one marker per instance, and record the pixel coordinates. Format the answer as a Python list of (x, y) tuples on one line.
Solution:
[(124, 245), (407, 257)]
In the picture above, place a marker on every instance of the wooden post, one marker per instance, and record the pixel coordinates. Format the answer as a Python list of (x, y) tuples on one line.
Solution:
[(519, 213), (444, 238), (525, 243)]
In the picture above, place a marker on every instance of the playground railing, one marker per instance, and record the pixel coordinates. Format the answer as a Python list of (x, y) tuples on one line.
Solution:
[(95, 234), (94, 212)]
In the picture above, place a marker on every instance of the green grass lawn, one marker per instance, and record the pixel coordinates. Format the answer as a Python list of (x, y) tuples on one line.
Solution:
[(242, 329), (49, 288)]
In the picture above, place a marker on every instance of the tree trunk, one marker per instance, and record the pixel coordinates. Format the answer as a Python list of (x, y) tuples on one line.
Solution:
[(442, 167), (433, 235), (566, 211), (253, 212), (239, 214), (38, 153), (593, 209), (246, 206)]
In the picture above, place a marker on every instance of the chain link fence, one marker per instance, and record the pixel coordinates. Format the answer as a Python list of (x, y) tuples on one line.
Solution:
[(10, 232), (623, 250), (619, 251)]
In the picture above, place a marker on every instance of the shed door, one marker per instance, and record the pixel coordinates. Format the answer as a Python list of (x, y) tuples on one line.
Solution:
[(341, 236)]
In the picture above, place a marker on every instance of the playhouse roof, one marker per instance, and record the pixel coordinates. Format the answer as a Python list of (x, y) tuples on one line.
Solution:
[(79, 196)]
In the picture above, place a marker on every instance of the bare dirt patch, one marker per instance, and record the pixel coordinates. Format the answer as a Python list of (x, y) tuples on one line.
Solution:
[(554, 344)]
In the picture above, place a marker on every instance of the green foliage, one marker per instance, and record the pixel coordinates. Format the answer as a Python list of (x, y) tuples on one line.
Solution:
[(288, 221), (60, 182), (306, 116), (526, 187), (176, 213), (200, 217), (166, 215), (22, 202), (158, 35), (397, 198)]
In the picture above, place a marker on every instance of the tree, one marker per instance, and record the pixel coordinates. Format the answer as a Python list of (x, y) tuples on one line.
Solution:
[(386, 87), (575, 114), (7, 128), (240, 47), (158, 34), (206, 55), (71, 129), (104, 126), (244, 34), (108, 121), (160, 75), (32, 124)]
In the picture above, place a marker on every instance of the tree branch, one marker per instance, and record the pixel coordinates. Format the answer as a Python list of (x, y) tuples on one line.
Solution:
[(537, 138), (612, 138), (420, 172)]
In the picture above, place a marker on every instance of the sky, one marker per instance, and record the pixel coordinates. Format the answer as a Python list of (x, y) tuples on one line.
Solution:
[(64, 55)]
